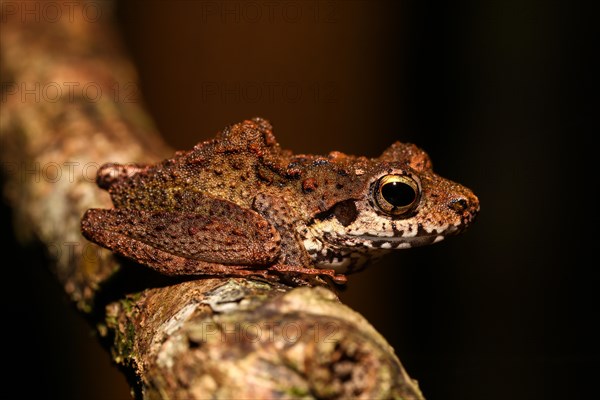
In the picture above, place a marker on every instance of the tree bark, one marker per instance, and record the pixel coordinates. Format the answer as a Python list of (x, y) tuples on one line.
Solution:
[(69, 104)]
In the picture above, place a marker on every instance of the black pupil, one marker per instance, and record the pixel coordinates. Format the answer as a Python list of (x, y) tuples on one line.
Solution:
[(398, 194)]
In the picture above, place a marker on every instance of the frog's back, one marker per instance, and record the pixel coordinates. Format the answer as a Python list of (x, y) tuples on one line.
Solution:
[(243, 160)]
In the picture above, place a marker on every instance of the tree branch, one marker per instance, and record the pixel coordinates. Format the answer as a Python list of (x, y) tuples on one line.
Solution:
[(62, 116)]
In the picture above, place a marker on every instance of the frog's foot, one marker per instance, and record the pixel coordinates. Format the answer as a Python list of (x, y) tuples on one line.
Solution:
[(311, 273)]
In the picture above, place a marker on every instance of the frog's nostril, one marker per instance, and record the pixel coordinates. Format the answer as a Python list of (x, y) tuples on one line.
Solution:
[(459, 205)]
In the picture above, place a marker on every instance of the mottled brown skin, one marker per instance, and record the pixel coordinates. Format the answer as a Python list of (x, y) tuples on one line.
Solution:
[(240, 205)]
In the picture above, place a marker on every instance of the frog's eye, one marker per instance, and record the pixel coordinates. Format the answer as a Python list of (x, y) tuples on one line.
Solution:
[(396, 194)]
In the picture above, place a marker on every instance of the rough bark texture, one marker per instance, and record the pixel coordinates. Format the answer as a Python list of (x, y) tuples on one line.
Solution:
[(226, 337)]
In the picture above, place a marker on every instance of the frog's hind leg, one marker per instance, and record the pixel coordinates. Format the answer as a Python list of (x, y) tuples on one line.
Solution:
[(220, 240), (167, 263)]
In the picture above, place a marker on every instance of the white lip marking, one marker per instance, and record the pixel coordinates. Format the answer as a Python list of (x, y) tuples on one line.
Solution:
[(403, 246), (386, 245), (442, 228), (394, 239), (438, 239), (312, 245), (357, 233), (326, 227), (409, 234)]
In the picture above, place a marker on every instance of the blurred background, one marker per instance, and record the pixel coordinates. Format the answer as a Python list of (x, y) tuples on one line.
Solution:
[(496, 92)]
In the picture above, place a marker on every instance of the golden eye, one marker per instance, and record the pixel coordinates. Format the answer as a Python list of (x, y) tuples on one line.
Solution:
[(396, 194)]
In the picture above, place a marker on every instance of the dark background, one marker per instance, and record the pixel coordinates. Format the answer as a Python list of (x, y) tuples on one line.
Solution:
[(497, 92)]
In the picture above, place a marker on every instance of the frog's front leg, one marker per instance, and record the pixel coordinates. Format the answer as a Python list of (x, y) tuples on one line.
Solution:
[(293, 259), (215, 238), (276, 211)]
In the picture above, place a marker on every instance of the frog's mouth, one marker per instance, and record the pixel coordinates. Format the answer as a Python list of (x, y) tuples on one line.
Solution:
[(390, 243), (393, 240), (351, 253), (399, 241), (331, 234)]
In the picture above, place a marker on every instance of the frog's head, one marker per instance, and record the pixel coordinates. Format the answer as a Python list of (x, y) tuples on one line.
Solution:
[(391, 202)]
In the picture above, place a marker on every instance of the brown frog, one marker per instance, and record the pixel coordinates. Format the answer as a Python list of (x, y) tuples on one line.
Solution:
[(240, 205)]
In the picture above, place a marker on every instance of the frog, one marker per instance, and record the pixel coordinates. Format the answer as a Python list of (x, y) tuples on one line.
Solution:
[(241, 205)]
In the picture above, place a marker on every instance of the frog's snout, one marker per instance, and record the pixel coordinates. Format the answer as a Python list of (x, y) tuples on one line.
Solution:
[(466, 205)]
